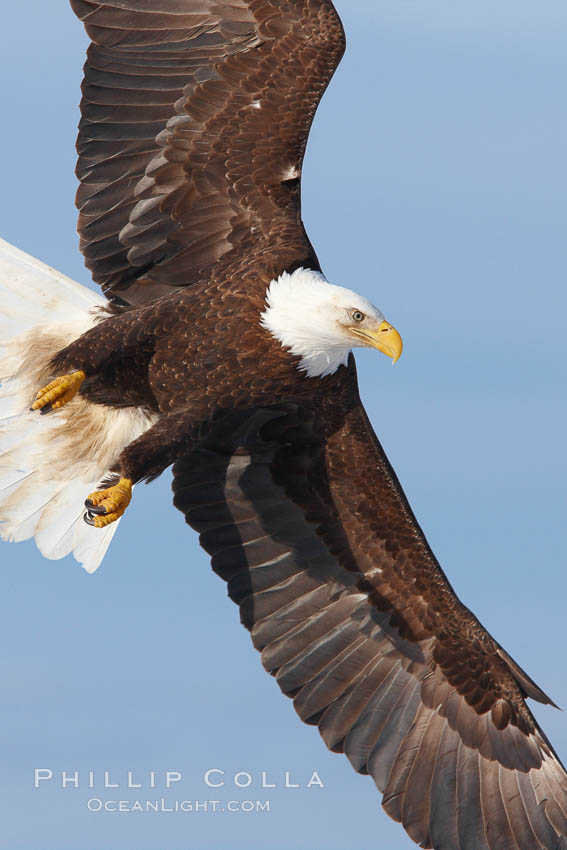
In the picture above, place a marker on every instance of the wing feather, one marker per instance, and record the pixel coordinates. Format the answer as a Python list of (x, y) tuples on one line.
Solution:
[(470, 823), (306, 521), (398, 714), (443, 800), (194, 114), (332, 682)]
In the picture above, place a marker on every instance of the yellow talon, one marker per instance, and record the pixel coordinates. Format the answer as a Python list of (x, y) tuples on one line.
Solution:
[(106, 506), (106, 519), (58, 392)]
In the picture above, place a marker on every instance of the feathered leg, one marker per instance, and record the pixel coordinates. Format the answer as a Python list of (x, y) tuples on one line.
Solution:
[(144, 459), (108, 364)]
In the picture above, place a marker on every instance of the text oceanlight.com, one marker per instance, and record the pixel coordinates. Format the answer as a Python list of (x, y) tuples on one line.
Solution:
[(95, 804)]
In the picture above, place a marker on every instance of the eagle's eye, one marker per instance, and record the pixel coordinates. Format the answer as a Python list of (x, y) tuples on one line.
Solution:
[(357, 316)]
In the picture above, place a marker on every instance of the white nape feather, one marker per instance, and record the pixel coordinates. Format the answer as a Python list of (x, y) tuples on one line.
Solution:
[(309, 315)]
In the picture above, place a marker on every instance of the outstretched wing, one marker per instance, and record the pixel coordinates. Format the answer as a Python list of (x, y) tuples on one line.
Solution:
[(305, 520), (195, 117)]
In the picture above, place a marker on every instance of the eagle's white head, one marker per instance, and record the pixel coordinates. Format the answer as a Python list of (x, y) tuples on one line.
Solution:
[(321, 323)]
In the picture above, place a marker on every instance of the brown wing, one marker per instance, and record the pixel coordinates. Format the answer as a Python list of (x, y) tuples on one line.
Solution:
[(195, 117), (355, 619)]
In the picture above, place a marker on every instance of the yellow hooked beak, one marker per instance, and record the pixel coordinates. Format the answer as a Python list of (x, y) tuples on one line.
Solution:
[(385, 338)]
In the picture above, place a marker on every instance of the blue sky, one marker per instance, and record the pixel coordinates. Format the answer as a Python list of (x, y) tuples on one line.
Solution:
[(435, 184)]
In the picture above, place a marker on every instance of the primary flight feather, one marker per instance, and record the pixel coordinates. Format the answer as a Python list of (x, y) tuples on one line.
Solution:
[(223, 350)]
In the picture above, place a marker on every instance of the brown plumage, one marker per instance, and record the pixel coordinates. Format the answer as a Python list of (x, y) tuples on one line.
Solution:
[(195, 120), (178, 174)]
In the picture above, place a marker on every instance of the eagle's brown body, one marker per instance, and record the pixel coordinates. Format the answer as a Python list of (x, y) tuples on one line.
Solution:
[(195, 119), (192, 366)]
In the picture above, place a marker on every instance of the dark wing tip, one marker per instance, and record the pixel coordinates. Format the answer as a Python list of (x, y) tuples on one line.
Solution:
[(526, 683)]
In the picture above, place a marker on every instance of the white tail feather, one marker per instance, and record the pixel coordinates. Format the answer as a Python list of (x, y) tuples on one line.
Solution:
[(49, 464)]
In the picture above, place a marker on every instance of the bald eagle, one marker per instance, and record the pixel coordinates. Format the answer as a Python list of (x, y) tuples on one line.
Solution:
[(222, 349)]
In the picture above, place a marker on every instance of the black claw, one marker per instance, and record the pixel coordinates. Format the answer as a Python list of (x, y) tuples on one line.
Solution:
[(88, 518), (95, 509), (46, 409)]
